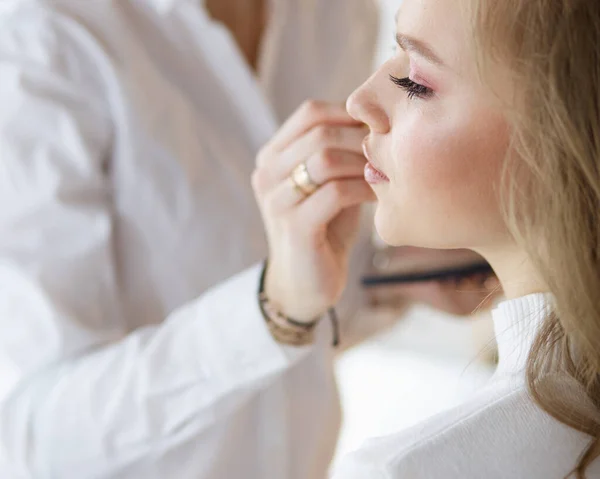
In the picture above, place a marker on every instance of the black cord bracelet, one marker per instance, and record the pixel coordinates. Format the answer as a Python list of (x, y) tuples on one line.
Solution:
[(308, 327)]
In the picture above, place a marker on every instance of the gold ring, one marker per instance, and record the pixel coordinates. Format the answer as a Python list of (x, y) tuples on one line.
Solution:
[(302, 180)]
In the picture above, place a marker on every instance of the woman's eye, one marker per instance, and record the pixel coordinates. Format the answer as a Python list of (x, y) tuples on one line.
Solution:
[(412, 88)]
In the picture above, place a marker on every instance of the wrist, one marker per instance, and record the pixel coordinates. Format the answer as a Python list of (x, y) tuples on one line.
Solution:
[(284, 329), (301, 310)]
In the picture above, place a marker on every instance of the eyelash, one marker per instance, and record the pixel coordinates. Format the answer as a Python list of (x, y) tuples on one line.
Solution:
[(411, 88)]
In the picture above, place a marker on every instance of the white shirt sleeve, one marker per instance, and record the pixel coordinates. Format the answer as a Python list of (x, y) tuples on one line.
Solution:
[(88, 397)]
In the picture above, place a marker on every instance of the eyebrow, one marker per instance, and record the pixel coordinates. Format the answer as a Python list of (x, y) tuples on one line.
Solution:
[(410, 44)]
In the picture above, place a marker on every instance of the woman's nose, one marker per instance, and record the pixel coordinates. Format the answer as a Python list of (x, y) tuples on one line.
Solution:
[(363, 105)]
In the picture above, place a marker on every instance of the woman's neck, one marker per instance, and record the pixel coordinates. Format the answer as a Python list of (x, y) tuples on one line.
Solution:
[(514, 270)]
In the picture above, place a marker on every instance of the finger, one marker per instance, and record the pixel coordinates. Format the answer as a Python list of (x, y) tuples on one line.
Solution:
[(331, 199), (335, 165), (323, 141), (282, 198), (342, 166), (309, 115)]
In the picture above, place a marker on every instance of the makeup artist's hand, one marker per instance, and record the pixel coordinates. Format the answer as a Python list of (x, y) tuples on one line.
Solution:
[(310, 235)]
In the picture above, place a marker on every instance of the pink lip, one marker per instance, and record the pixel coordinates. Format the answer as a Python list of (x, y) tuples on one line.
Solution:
[(372, 174)]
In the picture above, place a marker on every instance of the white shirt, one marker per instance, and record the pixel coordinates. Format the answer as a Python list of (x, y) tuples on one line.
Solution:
[(128, 130), (499, 434)]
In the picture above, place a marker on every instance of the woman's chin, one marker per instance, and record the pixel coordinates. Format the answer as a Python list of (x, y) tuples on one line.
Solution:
[(397, 228), (387, 228)]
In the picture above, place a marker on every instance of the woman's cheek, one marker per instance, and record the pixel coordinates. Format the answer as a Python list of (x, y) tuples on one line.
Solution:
[(425, 158), (445, 179), (451, 156)]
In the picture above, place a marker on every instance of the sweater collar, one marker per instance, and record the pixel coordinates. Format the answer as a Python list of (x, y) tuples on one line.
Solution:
[(516, 323)]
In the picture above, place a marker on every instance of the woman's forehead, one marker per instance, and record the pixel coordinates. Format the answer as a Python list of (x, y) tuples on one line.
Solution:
[(442, 25)]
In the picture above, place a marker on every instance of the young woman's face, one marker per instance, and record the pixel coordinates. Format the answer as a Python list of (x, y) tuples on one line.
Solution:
[(437, 135)]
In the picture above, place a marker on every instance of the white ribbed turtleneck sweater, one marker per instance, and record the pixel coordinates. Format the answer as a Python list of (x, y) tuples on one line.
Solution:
[(499, 434)]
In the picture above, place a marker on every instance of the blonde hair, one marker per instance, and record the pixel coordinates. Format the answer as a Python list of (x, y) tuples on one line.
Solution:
[(552, 49)]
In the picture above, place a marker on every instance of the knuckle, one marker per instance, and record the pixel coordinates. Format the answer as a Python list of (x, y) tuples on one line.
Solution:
[(312, 108), (326, 134), (337, 190), (261, 157), (340, 189), (328, 159)]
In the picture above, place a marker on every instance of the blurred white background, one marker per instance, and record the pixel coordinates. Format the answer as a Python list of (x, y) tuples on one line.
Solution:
[(429, 362)]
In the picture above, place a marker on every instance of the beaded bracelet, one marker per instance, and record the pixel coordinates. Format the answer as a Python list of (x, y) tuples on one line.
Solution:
[(286, 330)]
